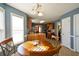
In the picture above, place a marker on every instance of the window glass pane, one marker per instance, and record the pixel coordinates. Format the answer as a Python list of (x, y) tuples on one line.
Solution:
[(17, 29), (2, 25), (17, 23), (18, 36)]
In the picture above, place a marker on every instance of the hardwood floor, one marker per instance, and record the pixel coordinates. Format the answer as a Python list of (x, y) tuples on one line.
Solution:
[(64, 51)]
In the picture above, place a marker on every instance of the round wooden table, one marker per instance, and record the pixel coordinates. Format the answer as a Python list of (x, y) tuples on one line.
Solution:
[(30, 49)]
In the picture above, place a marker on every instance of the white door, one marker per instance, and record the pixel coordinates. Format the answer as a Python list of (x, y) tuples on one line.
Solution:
[(76, 32), (66, 32), (17, 28)]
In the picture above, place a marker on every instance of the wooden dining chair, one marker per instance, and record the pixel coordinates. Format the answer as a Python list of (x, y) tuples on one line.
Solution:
[(7, 47)]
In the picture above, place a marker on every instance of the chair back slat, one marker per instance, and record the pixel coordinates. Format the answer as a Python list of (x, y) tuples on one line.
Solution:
[(7, 46)]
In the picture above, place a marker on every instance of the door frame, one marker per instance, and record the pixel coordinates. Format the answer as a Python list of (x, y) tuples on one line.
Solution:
[(74, 31)]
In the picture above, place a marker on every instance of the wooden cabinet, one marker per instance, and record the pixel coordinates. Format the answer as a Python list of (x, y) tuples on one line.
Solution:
[(29, 24), (50, 26)]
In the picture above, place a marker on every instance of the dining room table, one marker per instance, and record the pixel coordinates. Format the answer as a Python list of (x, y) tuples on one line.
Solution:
[(37, 48)]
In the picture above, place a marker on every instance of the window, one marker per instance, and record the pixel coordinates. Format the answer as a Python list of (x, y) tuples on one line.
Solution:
[(2, 24), (17, 28), (40, 28)]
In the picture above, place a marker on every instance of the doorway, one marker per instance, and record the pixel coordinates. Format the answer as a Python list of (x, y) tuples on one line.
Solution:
[(59, 31)]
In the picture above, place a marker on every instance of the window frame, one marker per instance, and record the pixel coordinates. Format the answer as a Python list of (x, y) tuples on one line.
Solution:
[(15, 14)]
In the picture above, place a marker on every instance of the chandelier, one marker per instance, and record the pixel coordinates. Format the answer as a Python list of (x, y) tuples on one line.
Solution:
[(37, 9)]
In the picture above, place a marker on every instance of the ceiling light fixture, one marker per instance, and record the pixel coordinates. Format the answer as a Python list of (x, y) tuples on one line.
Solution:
[(40, 14), (42, 21), (37, 10)]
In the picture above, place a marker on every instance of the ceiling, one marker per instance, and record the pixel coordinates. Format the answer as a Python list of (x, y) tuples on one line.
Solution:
[(51, 11)]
